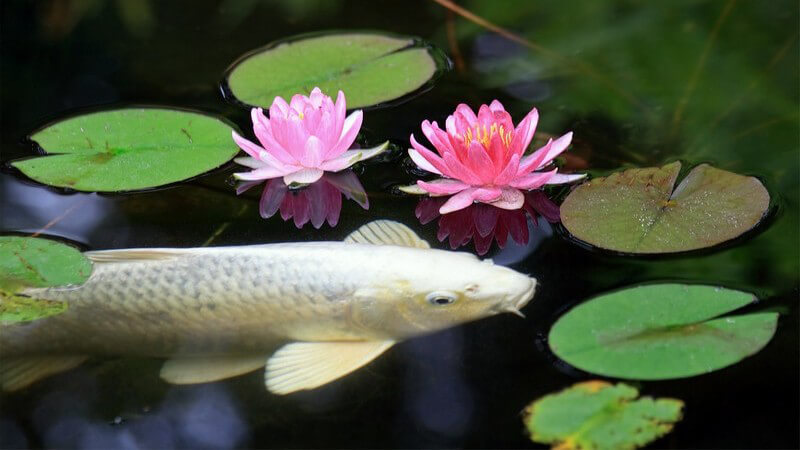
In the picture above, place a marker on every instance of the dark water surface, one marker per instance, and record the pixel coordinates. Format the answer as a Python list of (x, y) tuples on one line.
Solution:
[(639, 84)]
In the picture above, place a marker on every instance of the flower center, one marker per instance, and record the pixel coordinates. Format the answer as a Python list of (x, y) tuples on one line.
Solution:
[(484, 134)]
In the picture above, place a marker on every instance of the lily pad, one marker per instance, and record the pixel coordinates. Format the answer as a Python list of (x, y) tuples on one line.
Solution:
[(129, 149), (16, 308), (661, 331), (33, 262), (637, 211), (598, 415), (370, 68)]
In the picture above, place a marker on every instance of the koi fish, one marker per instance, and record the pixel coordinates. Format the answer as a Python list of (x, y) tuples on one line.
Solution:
[(214, 313)]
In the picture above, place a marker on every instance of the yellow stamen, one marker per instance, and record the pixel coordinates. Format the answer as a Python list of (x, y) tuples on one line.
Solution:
[(484, 135)]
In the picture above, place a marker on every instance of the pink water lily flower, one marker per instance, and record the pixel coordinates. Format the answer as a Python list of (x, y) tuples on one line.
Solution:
[(302, 139), (480, 158)]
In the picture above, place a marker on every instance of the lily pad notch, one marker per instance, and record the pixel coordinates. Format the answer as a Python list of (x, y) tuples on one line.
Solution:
[(129, 149), (637, 211), (373, 69), (661, 331)]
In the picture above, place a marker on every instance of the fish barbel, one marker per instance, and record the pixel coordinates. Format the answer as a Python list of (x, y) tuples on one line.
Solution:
[(221, 312)]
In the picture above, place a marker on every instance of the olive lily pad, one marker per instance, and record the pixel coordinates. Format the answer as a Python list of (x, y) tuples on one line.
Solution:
[(33, 262), (637, 211), (369, 68), (129, 149), (598, 415), (660, 331)]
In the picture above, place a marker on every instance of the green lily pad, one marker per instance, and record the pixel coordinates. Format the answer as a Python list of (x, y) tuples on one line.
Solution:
[(660, 331), (637, 211), (33, 262), (16, 308), (369, 68), (598, 415), (129, 149)]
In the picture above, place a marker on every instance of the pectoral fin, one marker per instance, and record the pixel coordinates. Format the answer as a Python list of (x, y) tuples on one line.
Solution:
[(19, 372), (307, 365), (190, 370)]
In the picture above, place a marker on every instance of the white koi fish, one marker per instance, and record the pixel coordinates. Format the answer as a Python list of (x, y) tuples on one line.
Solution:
[(327, 307)]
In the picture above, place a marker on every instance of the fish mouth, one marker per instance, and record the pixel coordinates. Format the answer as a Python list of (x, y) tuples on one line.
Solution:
[(516, 305)]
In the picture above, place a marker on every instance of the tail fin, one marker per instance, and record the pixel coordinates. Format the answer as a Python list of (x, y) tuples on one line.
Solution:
[(17, 372)]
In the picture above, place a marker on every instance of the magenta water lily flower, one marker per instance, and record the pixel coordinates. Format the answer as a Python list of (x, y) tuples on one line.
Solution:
[(302, 139), (480, 158)]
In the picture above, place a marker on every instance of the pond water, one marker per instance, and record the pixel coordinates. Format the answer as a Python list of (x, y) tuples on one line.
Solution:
[(639, 84)]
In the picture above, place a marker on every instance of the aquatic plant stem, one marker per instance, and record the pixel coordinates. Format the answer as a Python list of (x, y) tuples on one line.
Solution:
[(452, 40), (677, 116), (555, 56), (61, 216)]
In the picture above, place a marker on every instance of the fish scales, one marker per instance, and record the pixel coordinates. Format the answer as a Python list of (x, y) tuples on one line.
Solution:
[(218, 300)]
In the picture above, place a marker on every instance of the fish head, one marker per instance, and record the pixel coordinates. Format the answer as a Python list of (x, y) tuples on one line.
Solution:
[(441, 290)]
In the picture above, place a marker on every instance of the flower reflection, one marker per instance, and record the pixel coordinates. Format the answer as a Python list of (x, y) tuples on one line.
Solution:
[(317, 202), (483, 223)]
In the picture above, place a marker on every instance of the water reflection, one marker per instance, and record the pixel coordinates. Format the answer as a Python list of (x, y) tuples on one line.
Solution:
[(317, 202), (31, 208), (189, 417), (484, 224)]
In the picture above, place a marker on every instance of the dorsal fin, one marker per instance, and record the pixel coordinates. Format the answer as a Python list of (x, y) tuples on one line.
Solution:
[(135, 254), (386, 232)]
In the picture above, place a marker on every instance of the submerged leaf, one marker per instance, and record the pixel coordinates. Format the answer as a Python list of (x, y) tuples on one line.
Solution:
[(129, 149), (33, 262), (598, 415), (16, 308), (660, 331), (369, 68), (637, 211)]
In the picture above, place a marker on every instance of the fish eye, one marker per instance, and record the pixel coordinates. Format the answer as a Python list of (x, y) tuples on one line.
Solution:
[(441, 298)]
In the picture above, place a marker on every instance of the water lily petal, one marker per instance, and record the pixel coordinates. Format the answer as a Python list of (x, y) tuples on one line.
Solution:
[(534, 161), (480, 163), (246, 185), (427, 155), (508, 173), (457, 170), (533, 180), (458, 201), (249, 147), (340, 112), (316, 97), (250, 162), (347, 183), (439, 141), (263, 131), (544, 155), (303, 176), (312, 155), (352, 124), (298, 103), (561, 178), (496, 106), (442, 186), (343, 161), (487, 194), (271, 198), (510, 199), (467, 113), (279, 108), (524, 132), (263, 173)]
